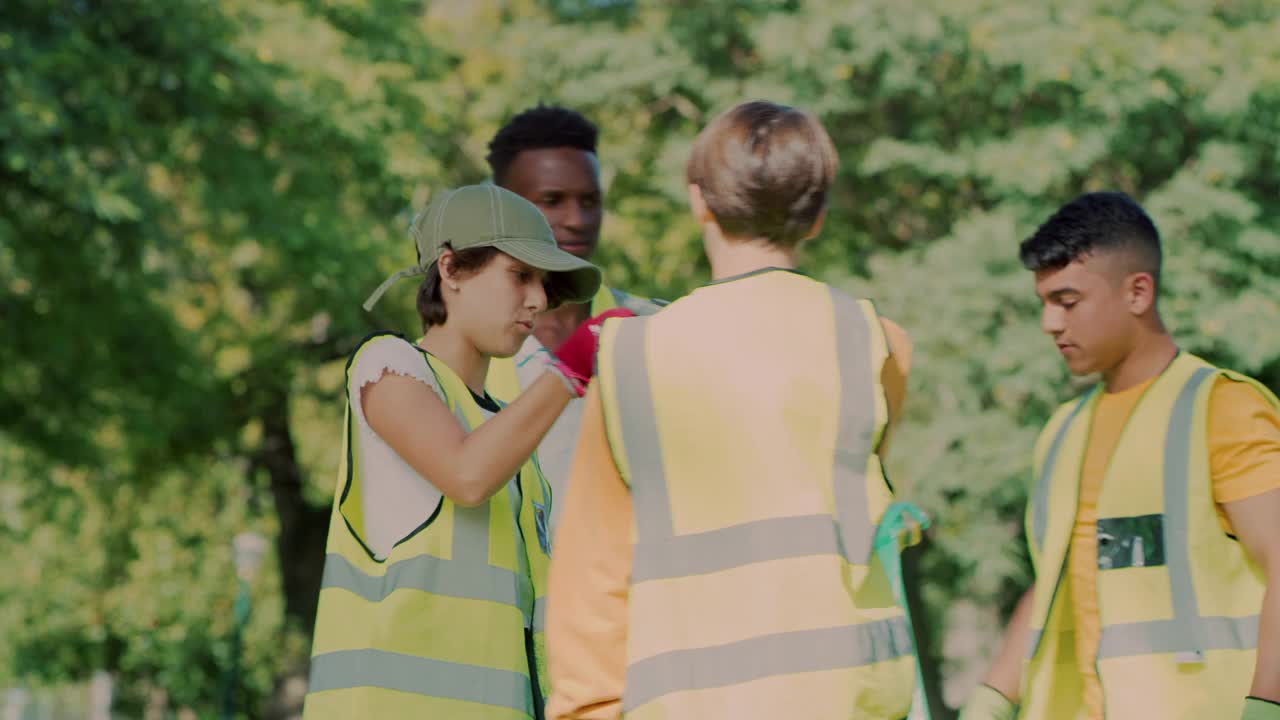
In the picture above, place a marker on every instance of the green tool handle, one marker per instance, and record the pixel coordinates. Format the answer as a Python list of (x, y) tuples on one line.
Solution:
[(892, 525)]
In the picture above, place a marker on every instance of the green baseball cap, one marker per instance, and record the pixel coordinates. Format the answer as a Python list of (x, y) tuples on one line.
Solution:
[(475, 216)]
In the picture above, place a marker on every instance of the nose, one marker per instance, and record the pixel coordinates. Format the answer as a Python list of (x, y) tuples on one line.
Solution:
[(575, 216), (535, 297), (1052, 319)]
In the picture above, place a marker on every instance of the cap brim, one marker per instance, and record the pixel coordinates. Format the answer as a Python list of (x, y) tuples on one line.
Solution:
[(582, 279)]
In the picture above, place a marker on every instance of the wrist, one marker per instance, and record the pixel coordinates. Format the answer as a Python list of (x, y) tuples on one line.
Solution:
[(573, 381), (987, 703)]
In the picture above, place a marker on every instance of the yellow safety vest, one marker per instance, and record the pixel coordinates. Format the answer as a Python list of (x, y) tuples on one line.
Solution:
[(437, 628), (1178, 597), (503, 382), (745, 418)]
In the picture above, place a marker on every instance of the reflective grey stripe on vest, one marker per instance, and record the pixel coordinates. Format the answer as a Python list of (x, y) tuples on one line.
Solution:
[(470, 544), (647, 476), (1187, 628), (1171, 636), (1188, 633), (428, 574), (1040, 517), (855, 428), (734, 546), (527, 600), (347, 669), (662, 554), (761, 657), (522, 554), (1040, 508)]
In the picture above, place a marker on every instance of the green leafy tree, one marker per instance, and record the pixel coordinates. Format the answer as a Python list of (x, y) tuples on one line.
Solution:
[(194, 199)]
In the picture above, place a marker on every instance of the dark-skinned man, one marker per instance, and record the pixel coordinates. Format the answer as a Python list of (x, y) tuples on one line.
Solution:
[(547, 155)]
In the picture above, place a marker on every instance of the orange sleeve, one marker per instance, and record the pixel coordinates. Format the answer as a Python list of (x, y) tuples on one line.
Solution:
[(589, 579), (1244, 442)]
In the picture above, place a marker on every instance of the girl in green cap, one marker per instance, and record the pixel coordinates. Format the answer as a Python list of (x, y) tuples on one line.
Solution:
[(431, 603)]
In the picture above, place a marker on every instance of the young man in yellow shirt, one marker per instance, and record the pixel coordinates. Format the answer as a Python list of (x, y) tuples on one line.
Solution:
[(1154, 523), (714, 556)]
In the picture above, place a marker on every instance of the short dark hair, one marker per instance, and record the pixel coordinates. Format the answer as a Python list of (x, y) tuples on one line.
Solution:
[(539, 128), (1095, 222), (764, 171), (431, 307)]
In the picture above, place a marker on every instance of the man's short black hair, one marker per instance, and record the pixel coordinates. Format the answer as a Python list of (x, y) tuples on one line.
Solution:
[(539, 128), (1095, 222)]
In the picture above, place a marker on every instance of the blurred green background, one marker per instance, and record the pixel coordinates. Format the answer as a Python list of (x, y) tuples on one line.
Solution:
[(196, 196)]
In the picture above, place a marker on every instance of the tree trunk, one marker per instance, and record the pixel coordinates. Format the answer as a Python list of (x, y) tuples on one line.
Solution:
[(303, 527)]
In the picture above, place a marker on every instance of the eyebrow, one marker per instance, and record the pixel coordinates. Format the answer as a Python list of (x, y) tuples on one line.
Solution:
[(1056, 295), (568, 190)]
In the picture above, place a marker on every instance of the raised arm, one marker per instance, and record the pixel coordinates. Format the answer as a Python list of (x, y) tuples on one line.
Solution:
[(468, 467)]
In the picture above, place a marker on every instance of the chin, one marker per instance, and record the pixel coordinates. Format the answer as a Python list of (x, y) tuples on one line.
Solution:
[(1080, 369), (507, 349), (581, 251), (503, 353)]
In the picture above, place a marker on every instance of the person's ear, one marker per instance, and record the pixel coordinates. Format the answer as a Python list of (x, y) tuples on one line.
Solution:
[(447, 277), (1140, 293), (698, 205), (817, 226)]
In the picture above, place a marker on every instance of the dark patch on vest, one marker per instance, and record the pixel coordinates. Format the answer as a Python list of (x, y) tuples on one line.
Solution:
[(1126, 542)]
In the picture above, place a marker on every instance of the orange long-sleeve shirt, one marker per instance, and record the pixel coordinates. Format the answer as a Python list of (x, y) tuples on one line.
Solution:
[(591, 563)]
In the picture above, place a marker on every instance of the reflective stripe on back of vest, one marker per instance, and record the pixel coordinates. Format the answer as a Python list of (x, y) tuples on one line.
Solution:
[(436, 628), (747, 440), (1178, 597)]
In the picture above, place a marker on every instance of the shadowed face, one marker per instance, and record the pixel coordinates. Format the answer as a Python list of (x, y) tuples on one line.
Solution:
[(494, 307), (1088, 308), (565, 185)]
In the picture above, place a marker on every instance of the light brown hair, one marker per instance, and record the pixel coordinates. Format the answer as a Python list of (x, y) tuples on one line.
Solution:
[(764, 170)]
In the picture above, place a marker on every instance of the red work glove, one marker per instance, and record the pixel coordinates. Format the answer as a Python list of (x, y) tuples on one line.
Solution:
[(575, 359)]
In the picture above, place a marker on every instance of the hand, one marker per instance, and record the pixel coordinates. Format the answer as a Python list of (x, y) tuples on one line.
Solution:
[(578, 351), (1259, 709), (986, 703)]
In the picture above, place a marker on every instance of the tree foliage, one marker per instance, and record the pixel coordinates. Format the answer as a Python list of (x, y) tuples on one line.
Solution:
[(195, 197)]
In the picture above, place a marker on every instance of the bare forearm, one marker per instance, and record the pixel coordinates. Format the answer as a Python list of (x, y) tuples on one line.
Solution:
[(468, 467), (1254, 522), (1006, 672), (1266, 674), (492, 453)]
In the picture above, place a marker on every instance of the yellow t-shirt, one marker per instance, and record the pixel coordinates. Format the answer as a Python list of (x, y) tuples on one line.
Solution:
[(1244, 460)]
